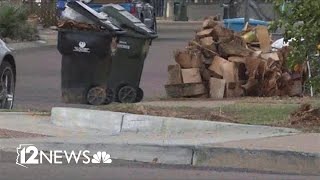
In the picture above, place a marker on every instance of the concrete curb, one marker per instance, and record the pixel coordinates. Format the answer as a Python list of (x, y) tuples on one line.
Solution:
[(107, 121), (268, 161), (16, 47), (25, 113), (125, 122), (287, 162)]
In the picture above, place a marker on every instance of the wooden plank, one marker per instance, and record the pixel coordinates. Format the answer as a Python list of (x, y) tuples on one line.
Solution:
[(221, 33), (264, 38), (174, 74), (233, 48), (273, 56), (230, 72), (188, 59), (191, 75), (237, 59), (256, 53), (196, 59), (217, 88), (206, 41), (185, 90), (204, 33), (217, 65), (209, 23), (226, 69)]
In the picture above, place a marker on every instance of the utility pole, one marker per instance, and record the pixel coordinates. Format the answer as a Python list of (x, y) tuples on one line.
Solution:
[(246, 11)]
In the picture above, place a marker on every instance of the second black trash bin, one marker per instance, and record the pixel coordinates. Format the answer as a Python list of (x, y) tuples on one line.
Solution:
[(132, 50), (86, 58)]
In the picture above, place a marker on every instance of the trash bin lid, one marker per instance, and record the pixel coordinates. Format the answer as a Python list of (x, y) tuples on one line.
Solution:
[(94, 16), (127, 20)]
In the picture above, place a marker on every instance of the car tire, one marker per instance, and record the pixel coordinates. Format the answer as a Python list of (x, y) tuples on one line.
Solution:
[(7, 85)]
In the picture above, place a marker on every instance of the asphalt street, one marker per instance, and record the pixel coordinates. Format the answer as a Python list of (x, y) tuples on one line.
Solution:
[(38, 74), (11, 171)]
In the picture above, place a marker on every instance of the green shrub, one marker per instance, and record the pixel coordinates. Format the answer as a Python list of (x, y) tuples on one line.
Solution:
[(13, 23)]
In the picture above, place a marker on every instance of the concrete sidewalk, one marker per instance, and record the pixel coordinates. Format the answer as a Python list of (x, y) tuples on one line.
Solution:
[(260, 148)]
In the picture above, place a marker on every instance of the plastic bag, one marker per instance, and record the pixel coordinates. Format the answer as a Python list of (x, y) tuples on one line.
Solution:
[(70, 14)]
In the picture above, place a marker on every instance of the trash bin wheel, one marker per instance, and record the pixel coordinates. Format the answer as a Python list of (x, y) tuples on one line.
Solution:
[(127, 94), (140, 95), (96, 96), (110, 96)]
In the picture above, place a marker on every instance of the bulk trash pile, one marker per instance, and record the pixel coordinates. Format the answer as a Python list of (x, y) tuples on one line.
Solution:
[(220, 63)]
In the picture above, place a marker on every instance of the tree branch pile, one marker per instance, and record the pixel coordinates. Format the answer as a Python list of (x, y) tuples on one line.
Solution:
[(220, 63)]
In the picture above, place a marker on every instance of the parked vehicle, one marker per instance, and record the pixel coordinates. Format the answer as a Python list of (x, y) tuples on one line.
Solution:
[(7, 77), (142, 9)]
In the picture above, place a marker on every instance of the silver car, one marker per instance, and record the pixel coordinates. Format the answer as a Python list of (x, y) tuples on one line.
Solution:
[(7, 77)]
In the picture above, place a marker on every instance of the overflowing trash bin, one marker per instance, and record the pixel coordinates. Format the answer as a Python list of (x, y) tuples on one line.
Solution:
[(128, 60), (84, 40)]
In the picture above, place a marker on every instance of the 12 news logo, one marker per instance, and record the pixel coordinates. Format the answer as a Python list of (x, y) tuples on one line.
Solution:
[(28, 154)]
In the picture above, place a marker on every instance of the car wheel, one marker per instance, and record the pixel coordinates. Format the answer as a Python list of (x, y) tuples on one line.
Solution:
[(7, 80)]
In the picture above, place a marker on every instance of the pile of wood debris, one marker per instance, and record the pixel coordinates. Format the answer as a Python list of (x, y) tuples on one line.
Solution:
[(221, 63), (80, 26)]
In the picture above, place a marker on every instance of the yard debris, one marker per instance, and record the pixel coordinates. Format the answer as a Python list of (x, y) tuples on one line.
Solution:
[(306, 116), (174, 74), (74, 25), (191, 75), (229, 64), (186, 90)]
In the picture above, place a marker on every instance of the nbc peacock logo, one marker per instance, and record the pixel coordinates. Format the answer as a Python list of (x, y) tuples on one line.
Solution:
[(101, 157)]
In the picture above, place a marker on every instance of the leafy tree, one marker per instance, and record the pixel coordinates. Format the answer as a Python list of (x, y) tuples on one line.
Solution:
[(301, 21)]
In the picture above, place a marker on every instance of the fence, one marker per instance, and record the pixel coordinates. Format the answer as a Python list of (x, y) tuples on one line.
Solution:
[(45, 10)]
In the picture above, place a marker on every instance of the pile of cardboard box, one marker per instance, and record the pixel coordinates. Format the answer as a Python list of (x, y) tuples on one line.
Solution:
[(221, 63)]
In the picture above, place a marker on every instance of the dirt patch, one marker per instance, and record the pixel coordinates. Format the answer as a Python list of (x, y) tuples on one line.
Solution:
[(177, 112), (305, 117), (6, 133), (259, 111)]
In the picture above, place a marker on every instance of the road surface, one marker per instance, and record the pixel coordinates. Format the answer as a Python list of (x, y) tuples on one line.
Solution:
[(10, 171), (38, 74)]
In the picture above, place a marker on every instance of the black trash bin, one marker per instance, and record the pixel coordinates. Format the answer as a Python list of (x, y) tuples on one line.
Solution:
[(86, 60), (132, 50)]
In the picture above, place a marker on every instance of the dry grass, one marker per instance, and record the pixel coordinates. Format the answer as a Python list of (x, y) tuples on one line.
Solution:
[(258, 111)]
